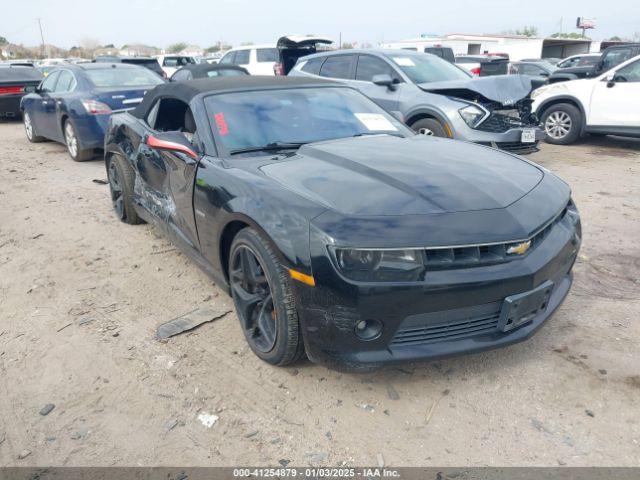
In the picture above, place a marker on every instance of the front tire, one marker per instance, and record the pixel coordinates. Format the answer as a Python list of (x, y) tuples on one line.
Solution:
[(29, 129), (562, 123), (73, 143), (261, 291), (430, 127), (121, 181)]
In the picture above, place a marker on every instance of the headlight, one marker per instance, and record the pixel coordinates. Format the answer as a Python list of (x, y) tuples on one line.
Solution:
[(369, 265), (472, 115)]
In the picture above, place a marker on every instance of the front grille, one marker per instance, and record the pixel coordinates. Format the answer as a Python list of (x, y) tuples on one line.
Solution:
[(439, 258), (501, 122), (447, 331)]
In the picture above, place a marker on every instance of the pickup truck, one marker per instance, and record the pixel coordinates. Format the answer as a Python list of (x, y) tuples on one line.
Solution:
[(610, 57)]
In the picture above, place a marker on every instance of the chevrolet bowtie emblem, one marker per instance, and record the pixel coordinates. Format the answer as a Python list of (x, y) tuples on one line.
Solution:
[(519, 248)]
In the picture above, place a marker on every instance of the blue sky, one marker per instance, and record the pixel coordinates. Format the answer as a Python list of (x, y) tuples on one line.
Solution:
[(204, 22)]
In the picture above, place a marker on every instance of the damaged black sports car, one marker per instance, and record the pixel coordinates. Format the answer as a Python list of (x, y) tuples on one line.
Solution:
[(338, 232)]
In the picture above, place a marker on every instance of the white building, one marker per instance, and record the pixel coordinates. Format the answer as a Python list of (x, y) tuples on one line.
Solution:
[(515, 46)]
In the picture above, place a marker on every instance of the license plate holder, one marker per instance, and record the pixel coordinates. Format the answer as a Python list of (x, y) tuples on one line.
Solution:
[(524, 307), (528, 135)]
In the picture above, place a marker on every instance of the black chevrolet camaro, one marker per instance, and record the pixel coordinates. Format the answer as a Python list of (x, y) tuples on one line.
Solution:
[(337, 231)]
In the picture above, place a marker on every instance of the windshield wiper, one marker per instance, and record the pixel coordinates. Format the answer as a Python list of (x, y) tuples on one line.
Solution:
[(269, 147), (393, 134)]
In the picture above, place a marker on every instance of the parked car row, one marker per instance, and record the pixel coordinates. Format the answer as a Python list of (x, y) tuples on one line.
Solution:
[(430, 94)]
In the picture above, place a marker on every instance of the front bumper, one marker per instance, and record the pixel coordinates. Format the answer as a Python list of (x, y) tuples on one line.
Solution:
[(509, 140), (91, 130), (451, 312)]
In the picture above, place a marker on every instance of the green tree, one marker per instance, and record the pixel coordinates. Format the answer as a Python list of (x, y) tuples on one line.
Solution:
[(346, 46), (3, 40), (110, 45), (528, 31), (176, 47), (567, 35)]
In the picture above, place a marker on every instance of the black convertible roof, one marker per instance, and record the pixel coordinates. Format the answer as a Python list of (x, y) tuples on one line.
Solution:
[(189, 89), (203, 68)]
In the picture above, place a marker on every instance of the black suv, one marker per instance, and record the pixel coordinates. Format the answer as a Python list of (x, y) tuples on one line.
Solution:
[(611, 56)]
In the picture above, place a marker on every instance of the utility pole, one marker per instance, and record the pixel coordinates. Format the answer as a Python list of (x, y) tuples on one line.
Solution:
[(340, 41), (41, 38)]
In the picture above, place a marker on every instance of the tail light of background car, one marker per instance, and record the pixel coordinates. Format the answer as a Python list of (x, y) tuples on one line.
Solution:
[(278, 69), (93, 107), (475, 71), (13, 90)]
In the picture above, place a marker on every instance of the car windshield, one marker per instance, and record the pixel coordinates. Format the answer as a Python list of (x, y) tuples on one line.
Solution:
[(248, 120), (123, 77), (549, 67), (223, 72), (423, 68)]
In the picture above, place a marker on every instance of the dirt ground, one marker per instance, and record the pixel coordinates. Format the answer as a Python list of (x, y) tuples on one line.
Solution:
[(81, 295)]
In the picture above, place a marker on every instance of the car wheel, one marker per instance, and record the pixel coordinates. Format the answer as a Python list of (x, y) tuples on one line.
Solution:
[(73, 143), (430, 127), (121, 180), (562, 123), (29, 129), (263, 299)]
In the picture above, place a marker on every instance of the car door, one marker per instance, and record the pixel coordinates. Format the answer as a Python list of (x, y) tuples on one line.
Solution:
[(613, 57), (44, 109), (368, 66), (615, 99), (65, 85), (243, 59), (170, 175)]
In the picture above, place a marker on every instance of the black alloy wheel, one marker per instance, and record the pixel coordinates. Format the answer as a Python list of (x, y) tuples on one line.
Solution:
[(264, 299), (117, 194), (253, 298)]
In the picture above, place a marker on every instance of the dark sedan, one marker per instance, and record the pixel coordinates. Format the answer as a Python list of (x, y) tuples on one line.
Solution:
[(73, 103), (337, 231), (206, 70), (15, 82)]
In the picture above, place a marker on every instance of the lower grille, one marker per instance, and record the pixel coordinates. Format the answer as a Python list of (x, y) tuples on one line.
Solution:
[(452, 330), (514, 147)]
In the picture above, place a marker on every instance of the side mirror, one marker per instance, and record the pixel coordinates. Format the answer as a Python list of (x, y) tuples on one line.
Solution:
[(31, 89), (611, 80), (172, 142), (384, 80)]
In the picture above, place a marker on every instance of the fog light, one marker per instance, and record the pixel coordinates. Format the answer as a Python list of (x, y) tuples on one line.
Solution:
[(368, 329)]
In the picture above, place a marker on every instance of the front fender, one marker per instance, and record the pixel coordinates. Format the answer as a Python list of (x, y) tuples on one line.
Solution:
[(544, 104), (225, 196)]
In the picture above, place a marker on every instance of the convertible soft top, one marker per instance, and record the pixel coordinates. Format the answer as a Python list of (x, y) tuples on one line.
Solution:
[(189, 89), (198, 68)]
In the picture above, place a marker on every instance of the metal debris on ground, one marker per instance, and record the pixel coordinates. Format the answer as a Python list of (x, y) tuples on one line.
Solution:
[(189, 321), (99, 181), (392, 393), (46, 410)]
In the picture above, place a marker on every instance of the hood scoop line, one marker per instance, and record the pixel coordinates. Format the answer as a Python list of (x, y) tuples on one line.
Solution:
[(369, 172)]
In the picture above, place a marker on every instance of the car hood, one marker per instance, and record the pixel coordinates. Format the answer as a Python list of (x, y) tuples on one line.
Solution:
[(387, 175), (505, 89)]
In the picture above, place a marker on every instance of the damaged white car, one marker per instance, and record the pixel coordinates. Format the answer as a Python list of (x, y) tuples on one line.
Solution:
[(435, 97)]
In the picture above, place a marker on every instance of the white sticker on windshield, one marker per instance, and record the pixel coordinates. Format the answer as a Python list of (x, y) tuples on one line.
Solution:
[(375, 122), (404, 61)]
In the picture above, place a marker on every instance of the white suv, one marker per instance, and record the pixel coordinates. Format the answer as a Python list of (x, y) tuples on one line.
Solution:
[(605, 105), (257, 59)]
